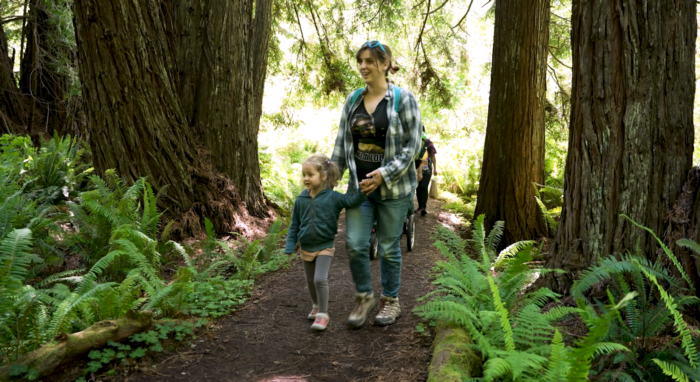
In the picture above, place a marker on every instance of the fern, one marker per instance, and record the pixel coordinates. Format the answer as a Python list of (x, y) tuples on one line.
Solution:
[(552, 225), (558, 366), (668, 252), (672, 371), (682, 327), (587, 347), (510, 251), (505, 323), (15, 257)]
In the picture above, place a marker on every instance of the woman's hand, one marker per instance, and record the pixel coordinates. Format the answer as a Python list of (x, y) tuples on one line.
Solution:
[(373, 181)]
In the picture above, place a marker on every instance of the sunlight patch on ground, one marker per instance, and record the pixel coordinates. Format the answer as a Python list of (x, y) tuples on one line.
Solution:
[(450, 220)]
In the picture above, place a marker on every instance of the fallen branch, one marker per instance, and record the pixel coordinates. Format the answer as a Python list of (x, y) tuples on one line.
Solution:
[(68, 346)]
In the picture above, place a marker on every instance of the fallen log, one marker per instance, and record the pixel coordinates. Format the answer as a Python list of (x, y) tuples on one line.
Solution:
[(453, 360), (68, 346)]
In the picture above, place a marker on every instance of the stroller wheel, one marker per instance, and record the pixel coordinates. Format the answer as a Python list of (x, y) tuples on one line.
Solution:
[(373, 244), (410, 232)]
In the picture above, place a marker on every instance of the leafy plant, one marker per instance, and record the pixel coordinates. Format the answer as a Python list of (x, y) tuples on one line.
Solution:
[(138, 345), (508, 328), (646, 322)]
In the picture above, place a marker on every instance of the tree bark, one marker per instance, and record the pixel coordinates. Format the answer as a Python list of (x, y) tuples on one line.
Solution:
[(137, 123), (40, 78), (631, 130), (222, 55), (68, 346), (12, 102), (514, 146)]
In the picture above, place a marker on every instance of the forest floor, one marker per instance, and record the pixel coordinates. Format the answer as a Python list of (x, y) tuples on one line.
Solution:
[(268, 338)]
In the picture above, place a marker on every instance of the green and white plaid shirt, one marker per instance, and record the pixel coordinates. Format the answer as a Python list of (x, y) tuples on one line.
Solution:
[(403, 143)]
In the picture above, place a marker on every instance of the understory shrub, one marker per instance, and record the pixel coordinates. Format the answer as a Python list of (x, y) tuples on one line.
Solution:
[(637, 332), (77, 248)]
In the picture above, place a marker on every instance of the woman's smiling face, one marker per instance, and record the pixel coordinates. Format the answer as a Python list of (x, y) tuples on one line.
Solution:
[(371, 71)]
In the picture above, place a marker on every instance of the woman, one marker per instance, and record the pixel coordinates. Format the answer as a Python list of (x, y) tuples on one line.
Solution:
[(378, 140), (426, 167)]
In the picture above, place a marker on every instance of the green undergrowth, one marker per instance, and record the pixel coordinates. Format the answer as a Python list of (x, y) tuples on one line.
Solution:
[(118, 357), (76, 248), (635, 331)]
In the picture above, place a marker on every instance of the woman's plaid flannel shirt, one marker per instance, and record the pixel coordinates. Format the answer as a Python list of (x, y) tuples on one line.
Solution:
[(403, 144)]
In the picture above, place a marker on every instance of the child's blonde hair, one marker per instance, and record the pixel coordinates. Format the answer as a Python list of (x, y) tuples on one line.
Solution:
[(326, 167)]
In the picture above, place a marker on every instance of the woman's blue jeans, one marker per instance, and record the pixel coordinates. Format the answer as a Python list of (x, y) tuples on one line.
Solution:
[(390, 215)]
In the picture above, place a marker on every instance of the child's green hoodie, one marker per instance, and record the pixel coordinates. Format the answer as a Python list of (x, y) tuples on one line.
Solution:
[(315, 220)]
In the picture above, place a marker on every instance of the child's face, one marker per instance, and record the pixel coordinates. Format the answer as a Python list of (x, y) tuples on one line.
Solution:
[(313, 180)]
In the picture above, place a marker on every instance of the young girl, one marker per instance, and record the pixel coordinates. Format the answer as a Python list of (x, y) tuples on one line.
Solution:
[(314, 226)]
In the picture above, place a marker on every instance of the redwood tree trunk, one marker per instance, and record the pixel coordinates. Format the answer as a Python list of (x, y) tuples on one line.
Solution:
[(631, 130), (12, 102), (137, 123), (514, 147), (40, 79), (222, 56)]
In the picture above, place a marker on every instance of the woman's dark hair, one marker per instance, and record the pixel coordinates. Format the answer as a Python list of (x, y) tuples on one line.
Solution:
[(379, 55)]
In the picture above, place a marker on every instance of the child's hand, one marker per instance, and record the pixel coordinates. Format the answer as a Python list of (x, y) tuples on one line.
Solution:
[(373, 181)]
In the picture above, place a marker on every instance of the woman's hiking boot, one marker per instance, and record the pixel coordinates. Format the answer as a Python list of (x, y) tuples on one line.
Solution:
[(314, 312), (364, 302), (389, 311), (321, 322)]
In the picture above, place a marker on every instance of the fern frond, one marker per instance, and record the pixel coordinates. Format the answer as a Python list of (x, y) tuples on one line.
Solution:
[(69, 304), (598, 329), (682, 327), (151, 217), (503, 312), (552, 224), (667, 251), (479, 235), (558, 367), (672, 371), (15, 258), (605, 348), (60, 276), (602, 271), (511, 251), (494, 237)]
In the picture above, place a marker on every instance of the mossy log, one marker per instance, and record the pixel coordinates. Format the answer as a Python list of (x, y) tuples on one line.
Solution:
[(453, 360), (68, 346)]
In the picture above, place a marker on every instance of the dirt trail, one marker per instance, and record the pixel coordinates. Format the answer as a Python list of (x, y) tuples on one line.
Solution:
[(268, 339)]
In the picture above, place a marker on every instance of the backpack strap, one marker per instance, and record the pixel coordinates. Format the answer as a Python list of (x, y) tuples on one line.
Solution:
[(397, 98), (356, 95)]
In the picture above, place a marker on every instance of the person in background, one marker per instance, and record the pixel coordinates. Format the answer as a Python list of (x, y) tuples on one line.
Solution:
[(426, 167), (314, 226)]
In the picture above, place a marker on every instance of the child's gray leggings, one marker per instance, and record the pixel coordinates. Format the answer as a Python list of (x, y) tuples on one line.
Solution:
[(317, 279)]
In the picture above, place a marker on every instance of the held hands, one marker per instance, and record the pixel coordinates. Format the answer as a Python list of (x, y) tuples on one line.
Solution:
[(372, 182)]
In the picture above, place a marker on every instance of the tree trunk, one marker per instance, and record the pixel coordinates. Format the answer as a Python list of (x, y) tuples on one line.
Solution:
[(12, 103), (631, 130), (137, 123), (222, 56), (41, 78), (514, 147)]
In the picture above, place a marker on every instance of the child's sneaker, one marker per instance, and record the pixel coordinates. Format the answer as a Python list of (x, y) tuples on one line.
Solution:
[(314, 312), (321, 322)]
